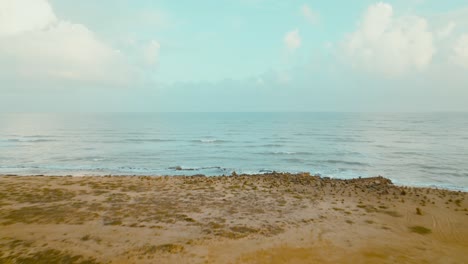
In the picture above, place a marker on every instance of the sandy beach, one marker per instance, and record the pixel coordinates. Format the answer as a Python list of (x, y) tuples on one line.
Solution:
[(274, 218)]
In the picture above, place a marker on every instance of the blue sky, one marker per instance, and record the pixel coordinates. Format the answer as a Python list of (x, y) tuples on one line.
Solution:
[(233, 55)]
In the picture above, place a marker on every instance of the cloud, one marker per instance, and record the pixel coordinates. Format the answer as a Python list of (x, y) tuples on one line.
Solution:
[(310, 15), (36, 45), (17, 16), (460, 51), (388, 44), (458, 17), (151, 52), (447, 30), (292, 40)]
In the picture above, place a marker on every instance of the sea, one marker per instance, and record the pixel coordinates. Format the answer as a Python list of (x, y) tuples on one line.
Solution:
[(414, 149)]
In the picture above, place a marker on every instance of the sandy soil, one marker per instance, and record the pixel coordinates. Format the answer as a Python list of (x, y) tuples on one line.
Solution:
[(276, 218)]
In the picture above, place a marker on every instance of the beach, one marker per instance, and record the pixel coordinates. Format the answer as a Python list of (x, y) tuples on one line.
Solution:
[(265, 218)]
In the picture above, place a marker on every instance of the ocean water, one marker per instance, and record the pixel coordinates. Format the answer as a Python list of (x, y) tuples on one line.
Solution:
[(411, 149)]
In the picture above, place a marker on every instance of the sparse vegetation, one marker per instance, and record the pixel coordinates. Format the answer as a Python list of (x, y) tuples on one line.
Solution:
[(48, 256), (420, 230), (392, 213), (165, 248), (418, 211), (209, 209)]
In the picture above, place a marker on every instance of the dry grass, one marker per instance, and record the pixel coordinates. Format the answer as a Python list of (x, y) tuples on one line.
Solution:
[(420, 230), (165, 248), (156, 216), (57, 214), (48, 256)]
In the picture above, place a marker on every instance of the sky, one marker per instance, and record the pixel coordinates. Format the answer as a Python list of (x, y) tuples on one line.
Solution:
[(233, 56)]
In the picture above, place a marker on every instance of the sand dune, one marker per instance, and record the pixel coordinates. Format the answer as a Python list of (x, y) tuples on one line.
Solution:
[(274, 218)]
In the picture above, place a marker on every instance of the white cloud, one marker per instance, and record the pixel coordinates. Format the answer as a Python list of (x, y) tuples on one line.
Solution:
[(151, 52), (447, 30), (458, 17), (292, 40), (35, 44), (309, 14), (388, 44), (17, 16), (460, 51)]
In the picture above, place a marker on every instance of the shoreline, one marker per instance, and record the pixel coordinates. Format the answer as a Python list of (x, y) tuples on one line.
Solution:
[(267, 218), (394, 181)]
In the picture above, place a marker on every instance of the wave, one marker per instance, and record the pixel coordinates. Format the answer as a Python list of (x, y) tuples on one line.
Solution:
[(30, 140), (353, 163), (460, 175), (382, 146), (142, 140), (38, 136), (294, 160), (209, 140), (90, 158), (196, 168), (435, 167), (429, 167), (271, 145), (441, 174), (403, 141), (406, 153), (274, 153)]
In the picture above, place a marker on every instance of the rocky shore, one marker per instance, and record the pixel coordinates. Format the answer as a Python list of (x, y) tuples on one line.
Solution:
[(268, 218)]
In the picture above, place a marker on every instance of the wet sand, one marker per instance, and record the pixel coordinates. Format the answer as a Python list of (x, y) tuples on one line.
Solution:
[(274, 218)]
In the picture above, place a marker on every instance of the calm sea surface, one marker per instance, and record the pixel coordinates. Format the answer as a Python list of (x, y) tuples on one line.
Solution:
[(411, 149)]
